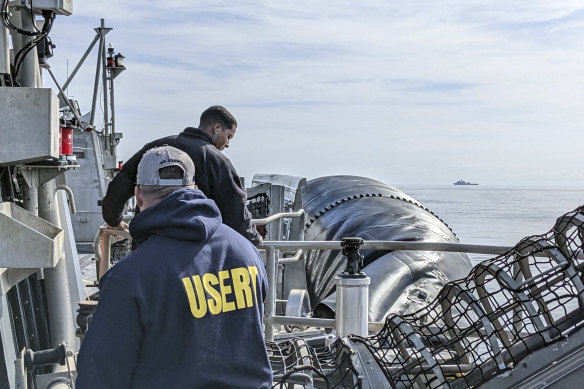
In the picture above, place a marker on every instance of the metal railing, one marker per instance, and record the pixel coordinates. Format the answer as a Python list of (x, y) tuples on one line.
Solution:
[(271, 319), (103, 247), (278, 216)]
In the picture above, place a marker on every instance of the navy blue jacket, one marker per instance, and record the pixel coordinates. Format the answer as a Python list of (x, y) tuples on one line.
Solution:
[(184, 310), (214, 174)]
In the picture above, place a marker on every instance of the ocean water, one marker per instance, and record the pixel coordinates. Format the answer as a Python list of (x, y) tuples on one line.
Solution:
[(496, 215), (499, 216)]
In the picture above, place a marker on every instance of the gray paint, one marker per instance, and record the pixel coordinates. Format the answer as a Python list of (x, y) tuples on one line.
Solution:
[(32, 133)]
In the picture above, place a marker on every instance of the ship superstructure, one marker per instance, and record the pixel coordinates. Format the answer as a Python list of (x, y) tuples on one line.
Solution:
[(463, 182), (41, 279), (55, 165)]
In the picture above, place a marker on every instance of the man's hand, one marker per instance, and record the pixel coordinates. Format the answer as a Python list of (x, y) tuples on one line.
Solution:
[(121, 226)]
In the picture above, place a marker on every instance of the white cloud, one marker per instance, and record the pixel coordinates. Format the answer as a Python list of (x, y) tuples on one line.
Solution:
[(408, 92)]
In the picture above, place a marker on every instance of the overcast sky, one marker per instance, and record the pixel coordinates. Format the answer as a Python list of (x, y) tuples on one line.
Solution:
[(408, 92)]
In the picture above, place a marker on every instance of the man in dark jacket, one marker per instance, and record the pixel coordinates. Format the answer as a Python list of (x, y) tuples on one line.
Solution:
[(184, 310), (216, 176)]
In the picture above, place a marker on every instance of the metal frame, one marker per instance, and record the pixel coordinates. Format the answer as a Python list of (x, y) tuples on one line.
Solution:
[(273, 248)]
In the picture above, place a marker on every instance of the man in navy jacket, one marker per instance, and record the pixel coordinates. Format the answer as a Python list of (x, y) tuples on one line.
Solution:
[(216, 176), (184, 310)]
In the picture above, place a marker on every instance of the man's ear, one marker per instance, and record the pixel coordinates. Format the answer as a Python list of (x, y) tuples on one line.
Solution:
[(138, 194)]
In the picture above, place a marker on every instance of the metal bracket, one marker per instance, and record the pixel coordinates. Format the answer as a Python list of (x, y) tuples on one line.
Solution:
[(354, 258), (35, 175)]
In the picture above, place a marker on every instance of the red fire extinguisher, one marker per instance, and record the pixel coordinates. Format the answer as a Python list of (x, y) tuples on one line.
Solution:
[(66, 143)]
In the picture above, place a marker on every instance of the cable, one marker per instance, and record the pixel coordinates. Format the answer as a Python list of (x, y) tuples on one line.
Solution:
[(19, 57), (39, 35), (47, 26), (8, 23)]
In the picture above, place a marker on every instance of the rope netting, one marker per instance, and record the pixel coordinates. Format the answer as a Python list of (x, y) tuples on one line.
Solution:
[(482, 325), (476, 328), (259, 205), (296, 361)]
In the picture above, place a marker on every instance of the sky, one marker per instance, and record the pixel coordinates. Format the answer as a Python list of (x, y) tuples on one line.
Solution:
[(409, 92)]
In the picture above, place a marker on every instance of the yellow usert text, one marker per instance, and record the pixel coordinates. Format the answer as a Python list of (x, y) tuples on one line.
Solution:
[(211, 292)]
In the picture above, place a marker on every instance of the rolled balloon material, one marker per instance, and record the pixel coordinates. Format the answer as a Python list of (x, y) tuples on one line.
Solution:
[(401, 281)]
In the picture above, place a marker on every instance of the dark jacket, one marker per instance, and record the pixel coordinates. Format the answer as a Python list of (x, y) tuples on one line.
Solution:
[(184, 310), (215, 176)]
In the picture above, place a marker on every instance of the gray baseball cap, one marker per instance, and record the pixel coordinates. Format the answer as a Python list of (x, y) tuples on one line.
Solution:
[(159, 157)]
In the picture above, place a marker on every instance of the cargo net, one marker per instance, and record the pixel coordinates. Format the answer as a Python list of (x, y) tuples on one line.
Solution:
[(296, 362), (120, 250), (484, 324), (259, 205)]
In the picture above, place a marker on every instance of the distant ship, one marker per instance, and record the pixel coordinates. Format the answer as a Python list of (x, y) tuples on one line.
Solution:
[(462, 182)]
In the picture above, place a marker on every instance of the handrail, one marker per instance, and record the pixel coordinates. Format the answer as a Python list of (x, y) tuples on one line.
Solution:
[(123, 233), (263, 222), (389, 245), (70, 196), (102, 247), (398, 245), (272, 261), (294, 259)]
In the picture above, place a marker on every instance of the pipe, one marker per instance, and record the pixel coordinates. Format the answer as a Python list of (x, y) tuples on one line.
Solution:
[(102, 246), (29, 65), (4, 50), (112, 111), (106, 124), (81, 61), (56, 279), (17, 39), (31, 199), (100, 50), (303, 321), (106, 252), (262, 222), (270, 304), (20, 375), (70, 196), (394, 246), (294, 259)]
